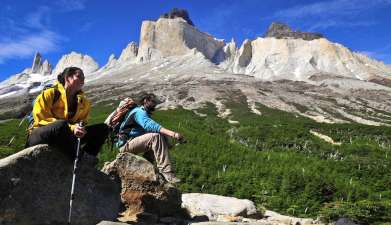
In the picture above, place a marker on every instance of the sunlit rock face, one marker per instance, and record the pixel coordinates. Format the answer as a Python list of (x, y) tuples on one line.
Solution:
[(85, 62)]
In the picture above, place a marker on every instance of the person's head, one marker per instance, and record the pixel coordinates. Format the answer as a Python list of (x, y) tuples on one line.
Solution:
[(149, 101), (72, 77)]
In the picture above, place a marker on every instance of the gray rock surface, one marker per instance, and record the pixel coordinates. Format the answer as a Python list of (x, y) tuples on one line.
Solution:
[(36, 63), (212, 206), (35, 188), (143, 189), (46, 68), (345, 221), (175, 37), (40, 66), (175, 13), (129, 53), (281, 30), (85, 62)]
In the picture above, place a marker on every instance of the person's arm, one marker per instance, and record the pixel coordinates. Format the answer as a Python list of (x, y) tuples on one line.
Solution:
[(83, 113), (42, 112), (149, 125), (171, 133)]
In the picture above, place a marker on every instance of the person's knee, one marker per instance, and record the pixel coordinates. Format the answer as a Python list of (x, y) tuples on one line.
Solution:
[(60, 124), (156, 136)]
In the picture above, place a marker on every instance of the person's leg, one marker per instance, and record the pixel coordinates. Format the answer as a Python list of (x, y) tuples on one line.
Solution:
[(57, 134), (156, 143), (95, 138)]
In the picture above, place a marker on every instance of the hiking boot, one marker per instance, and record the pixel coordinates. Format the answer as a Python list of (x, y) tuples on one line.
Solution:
[(171, 178)]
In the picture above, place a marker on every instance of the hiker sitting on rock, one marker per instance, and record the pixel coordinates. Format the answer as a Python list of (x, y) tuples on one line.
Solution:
[(57, 112), (138, 133)]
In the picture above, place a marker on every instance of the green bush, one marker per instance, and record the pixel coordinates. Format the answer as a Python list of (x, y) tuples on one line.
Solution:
[(271, 159)]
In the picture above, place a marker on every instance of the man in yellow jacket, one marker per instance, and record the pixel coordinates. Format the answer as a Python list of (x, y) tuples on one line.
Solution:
[(57, 112)]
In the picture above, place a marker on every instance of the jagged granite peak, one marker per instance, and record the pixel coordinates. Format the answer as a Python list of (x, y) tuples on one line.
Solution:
[(175, 13), (281, 30), (175, 37), (85, 62), (230, 49), (46, 68), (129, 53), (36, 67), (111, 62)]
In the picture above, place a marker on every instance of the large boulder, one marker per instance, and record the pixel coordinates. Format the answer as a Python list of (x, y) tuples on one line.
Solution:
[(35, 186), (143, 188), (213, 206)]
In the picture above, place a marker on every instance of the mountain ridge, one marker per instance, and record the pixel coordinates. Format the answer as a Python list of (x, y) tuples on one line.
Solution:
[(326, 79)]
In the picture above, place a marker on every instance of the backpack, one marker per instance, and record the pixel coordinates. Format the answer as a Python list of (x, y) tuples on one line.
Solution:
[(116, 119), (57, 94)]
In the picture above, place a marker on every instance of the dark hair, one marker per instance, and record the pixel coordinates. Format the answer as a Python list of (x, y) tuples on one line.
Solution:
[(149, 97), (69, 71)]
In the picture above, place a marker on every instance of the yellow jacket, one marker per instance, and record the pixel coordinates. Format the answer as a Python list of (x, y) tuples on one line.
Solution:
[(45, 112)]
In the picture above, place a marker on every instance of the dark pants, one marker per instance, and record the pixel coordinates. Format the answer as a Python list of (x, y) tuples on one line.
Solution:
[(58, 134)]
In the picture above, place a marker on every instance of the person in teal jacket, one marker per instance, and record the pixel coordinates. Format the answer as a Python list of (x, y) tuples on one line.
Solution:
[(139, 133)]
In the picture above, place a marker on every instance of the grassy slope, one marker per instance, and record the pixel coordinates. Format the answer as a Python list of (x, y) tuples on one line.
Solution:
[(273, 160)]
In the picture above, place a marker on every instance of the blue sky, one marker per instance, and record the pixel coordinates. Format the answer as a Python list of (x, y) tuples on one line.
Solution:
[(99, 28)]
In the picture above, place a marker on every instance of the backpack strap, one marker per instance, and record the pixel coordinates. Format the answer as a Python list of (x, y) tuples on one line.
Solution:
[(57, 94), (125, 127)]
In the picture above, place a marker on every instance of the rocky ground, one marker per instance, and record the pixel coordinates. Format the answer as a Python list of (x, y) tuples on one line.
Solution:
[(129, 190)]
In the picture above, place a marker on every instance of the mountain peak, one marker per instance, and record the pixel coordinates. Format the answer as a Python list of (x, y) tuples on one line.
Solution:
[(175, 13), (85, 62), (281, 30)]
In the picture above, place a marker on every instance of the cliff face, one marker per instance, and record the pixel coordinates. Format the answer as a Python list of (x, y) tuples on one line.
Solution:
[(85, 62), (298, 59), (174, 37), (281, 30)]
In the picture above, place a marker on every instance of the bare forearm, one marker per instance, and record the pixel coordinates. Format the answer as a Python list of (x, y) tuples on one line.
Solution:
[(167, 132)]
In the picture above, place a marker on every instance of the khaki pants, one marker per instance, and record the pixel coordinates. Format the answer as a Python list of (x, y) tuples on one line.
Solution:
[(155, 142)]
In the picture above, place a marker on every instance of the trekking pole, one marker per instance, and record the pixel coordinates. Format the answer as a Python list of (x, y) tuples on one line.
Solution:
[(74, 176)]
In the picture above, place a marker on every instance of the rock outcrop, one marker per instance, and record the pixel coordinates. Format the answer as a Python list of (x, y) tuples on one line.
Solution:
[(85, 62), (281, 30), (175, 37), (213, 206), (175, 13), (35, 188), (40, 67), (111, 62), (129, 53), (298, 59), (143, 189)]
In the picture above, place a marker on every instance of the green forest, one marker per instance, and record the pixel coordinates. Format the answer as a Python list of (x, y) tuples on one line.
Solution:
[(271, 159)]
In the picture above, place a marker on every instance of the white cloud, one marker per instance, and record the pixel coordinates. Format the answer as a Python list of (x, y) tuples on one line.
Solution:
[(336, 23), (71, 5), (335, 13), (22, 37), (44, 42), (38, 18), (329, 8)]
